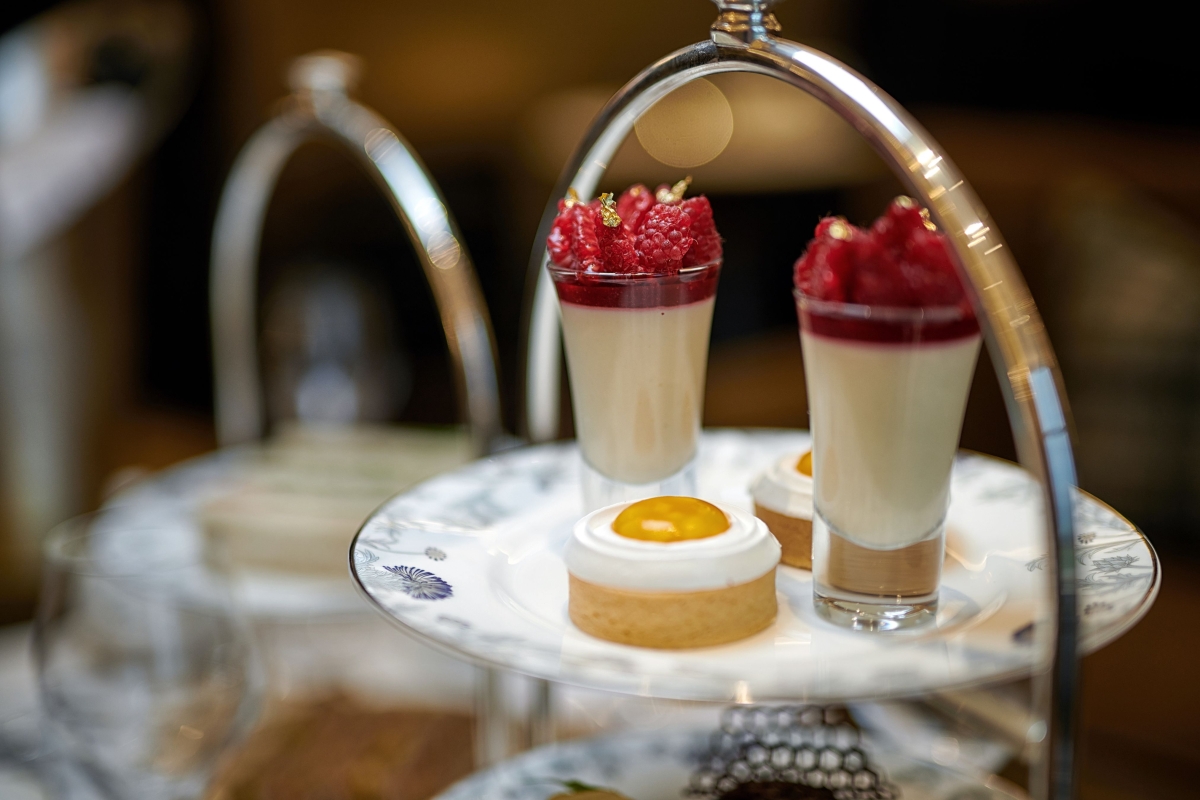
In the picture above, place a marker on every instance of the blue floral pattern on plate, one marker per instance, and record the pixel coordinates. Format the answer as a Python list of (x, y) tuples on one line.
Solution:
[(420, 584)]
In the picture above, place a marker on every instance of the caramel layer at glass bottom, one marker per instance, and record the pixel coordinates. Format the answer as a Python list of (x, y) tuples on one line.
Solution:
[(673, 620), (912, 571), (793, 533)]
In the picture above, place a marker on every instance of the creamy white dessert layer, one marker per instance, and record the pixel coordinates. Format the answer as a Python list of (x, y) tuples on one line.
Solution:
[(886, 421), (637, 380), (598, 554), (784, 489)]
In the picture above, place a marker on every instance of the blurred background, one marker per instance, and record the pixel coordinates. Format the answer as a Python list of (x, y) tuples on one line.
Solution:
[(120, 120)]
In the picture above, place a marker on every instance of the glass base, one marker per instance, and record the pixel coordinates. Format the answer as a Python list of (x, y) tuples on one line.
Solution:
[(600, 490), (869, 589), (871, 615)]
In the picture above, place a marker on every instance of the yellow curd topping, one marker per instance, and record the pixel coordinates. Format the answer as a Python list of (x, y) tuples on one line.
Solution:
[(804, 465), (670, 519)]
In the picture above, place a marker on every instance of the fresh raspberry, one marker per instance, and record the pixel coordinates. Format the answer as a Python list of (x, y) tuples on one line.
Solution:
[(585, 246), (836, 228), (705, 250), (900, 261), (930, 249), (707, 245), (632, 206), (559, 240), (902, 219), (663, 239), (637, 233), (616, 245), (572, 242), (929, 270), (700, 210), (823, 272), (877, 278)]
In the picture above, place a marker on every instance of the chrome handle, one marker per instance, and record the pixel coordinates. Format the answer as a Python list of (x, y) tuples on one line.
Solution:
[(320, 107), (744, 40)]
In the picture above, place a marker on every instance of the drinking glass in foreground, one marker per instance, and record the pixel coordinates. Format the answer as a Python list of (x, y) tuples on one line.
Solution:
[(146, 675)]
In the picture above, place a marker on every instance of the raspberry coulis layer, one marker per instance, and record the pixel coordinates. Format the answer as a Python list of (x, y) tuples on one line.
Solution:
[(887, 331), (649, 291)]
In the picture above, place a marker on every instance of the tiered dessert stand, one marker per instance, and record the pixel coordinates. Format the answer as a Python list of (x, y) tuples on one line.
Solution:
[(320, 108), (470, 562)]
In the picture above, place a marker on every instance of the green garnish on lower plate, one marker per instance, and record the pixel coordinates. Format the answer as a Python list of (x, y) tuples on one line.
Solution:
[(578, 790)]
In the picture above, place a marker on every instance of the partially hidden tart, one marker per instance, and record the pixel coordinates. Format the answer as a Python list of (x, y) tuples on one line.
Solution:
[(671, 572), (783, 499)]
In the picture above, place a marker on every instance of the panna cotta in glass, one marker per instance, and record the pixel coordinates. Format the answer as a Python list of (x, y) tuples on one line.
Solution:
[(636, 281), (637, 370), (890, 345)]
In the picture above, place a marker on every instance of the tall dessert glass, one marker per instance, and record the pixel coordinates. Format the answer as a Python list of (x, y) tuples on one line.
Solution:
[(146, 672), (887, 389), (637, 351)]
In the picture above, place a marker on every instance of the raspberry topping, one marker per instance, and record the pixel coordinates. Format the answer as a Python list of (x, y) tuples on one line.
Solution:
[(632, 206), (927, 266), (663, 239), (707, 243), (900, 261), (823, 269), (640, 233), (616, 246), (585, 245), (559, 240), (902, 218), (572, 241)]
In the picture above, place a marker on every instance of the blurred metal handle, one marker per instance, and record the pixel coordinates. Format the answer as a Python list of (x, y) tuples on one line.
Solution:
[(743, 40), (320, 108)]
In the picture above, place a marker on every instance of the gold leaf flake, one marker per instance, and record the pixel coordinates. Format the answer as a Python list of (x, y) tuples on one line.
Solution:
[(675, 193)]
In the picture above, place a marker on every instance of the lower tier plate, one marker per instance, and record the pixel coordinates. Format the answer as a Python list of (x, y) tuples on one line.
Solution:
[(471, 562), (671, 763)]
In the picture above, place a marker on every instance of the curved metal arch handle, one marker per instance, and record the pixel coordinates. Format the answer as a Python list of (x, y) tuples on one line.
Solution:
[(744, 40), (320, 108)]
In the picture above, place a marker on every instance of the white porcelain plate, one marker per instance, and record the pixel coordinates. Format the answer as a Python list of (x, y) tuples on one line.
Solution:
[(471, 562), (663, 764), (171, 500)]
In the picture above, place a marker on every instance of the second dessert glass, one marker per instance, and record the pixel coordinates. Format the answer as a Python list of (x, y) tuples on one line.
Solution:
[(887, 389), (637, 352)]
